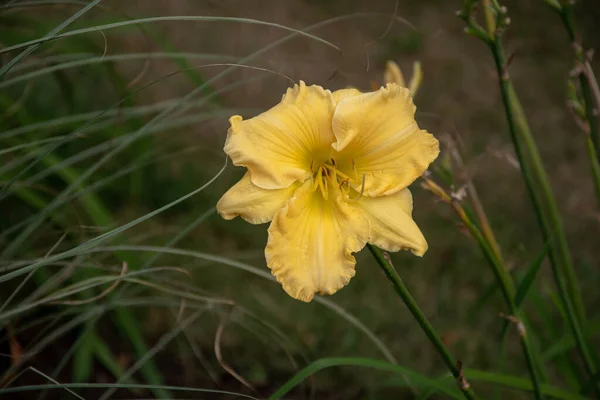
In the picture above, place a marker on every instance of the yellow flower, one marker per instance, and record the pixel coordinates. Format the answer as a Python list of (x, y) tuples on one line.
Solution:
[(331, 171), (393, 74)]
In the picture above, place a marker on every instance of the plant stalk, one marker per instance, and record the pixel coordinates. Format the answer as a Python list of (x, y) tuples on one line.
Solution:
[(502, 278), (595, 165), (587, 80), (566, 15), (548, 216), (455, 367)]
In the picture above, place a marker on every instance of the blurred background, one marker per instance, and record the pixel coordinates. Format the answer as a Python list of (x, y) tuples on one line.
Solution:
[(132, 118)]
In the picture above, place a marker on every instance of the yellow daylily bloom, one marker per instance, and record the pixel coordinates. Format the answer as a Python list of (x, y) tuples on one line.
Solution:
[(331, 171), (393, 74)]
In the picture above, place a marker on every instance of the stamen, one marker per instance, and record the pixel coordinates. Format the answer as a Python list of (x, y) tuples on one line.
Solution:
[(315, 183), (312, 165), (316, 177), (335, 171), (323, 185), (362, 187), (346, 177), (343, 183)]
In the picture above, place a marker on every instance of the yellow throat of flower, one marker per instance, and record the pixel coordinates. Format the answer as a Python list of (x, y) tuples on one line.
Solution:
[(327, 175)]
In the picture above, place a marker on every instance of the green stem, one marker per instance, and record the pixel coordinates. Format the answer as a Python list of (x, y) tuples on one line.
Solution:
[(531, 166), (593, 138), (595, 165), (414, 309), (566, 15), (508, 292)]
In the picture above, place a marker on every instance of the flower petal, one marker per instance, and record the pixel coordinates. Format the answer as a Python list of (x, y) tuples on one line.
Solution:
[(279, 145), (392, 226), (378, 136), (311, 242), (393, 74), (254, 204), (342, 94)]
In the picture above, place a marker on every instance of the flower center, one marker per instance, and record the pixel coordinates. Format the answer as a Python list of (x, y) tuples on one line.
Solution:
[(327, 174)]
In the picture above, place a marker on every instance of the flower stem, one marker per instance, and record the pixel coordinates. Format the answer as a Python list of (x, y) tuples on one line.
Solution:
[(508, 292), (503, 279), (550, 221), (595, 165), (538, 187), (454, 366), (587, 82), (566, 14)]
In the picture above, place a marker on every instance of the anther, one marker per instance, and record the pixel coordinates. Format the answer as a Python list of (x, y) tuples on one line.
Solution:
[(343, 183)]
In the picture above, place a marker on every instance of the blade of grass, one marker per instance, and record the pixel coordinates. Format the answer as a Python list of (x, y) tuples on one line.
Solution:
[(148, 370), (107, 145), (83, 357), (324, 363), (567, 342), (253, 270), (180, 235), (63, 295), (530, 275), (180, 105), (590, 385), (63, 361), (114, 58), (51, 337), (150, 353), (30, 48), (115, 114), (517, 383), (142, 132), (183, 63), (127, 326), (35, 388), (473, 375), (177, 18), (108, 235)]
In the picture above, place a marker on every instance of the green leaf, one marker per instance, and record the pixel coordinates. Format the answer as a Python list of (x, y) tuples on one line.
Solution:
[(567, 342), (138, 21), (530, 275), (36, 388), (109, 361), (49, 36), (82, 360), (514, 382), (125, 322), (316, 366), (184, 65), (590, 385), (472, 375)]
